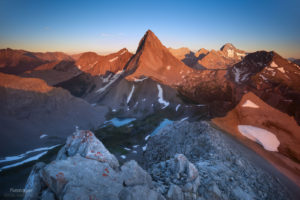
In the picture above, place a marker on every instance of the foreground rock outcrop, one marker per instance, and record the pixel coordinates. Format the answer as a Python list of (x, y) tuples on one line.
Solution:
[(85, 169), (183, 161)]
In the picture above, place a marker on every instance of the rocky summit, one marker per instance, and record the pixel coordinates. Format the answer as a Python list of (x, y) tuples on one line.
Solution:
[(182, 161)]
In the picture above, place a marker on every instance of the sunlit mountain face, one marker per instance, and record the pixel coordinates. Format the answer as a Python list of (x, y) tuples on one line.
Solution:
[(168, 100)]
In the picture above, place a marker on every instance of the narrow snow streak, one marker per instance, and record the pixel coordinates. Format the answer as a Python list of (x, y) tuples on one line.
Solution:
[(113, 79), (130, 94), (18, 157), (36, 157), (160, 97), (42, 136), (177, 107), (183, 119), (140, 79), (123, 52), (147, 137), (240, 54), (263, 137), (250, 104), (113, 59)]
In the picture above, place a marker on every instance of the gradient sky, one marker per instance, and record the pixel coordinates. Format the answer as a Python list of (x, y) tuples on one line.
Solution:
[(106, 26)]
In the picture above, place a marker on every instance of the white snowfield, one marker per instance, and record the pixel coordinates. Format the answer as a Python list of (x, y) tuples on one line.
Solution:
[(250, 104), (160, 97), (263, 137), (113, 59), (130, 94)]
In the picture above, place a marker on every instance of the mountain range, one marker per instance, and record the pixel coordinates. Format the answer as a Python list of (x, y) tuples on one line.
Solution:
[(47, 95)]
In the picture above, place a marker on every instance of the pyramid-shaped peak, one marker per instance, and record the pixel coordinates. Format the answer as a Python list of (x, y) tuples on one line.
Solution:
[(149, 35), (150, 40), (227, 46)]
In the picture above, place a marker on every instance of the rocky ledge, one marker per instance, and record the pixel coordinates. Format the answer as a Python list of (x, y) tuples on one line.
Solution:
[(183, 161)]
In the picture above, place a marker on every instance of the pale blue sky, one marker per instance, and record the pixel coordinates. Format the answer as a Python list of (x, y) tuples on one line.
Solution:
[(105, 26)]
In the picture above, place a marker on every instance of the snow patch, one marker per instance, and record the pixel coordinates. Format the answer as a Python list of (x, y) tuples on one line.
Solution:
[(160, 97), (265, 138), (177, 107), (123, 52), (144, 147), (134, 152), (21, 156), (281, 69), (264, 78), (106, 79), (113, 79), (123, 156), (183, 119), (135, 146), (273, 64), (113, 59), (130, 94), (36, 157), (237, 74), (147, 137), (230, 53), (43, 136), (127, 149), (240, 54), (168, 67), (269, 69), (140, 79), (250, 104)]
